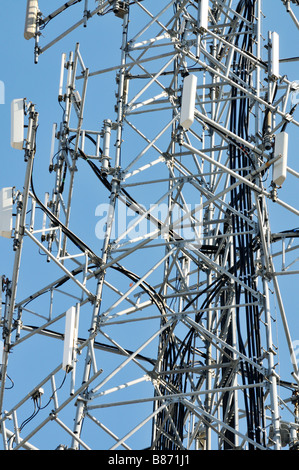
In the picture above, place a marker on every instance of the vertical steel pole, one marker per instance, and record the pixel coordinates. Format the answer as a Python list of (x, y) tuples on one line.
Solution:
[(30, 147), (109, 225), (275, 415)]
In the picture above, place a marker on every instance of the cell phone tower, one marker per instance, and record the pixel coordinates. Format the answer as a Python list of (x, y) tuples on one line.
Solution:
[(161, 335)]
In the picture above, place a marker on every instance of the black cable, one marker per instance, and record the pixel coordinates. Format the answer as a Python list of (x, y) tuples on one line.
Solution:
[(291, 114), (76, 240), (240, 201), (30, 418), (52, 396), (11, 381), (43, 24), (242, 244)]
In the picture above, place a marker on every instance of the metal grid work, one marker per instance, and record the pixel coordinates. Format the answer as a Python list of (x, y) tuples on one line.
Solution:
[(167, 328)]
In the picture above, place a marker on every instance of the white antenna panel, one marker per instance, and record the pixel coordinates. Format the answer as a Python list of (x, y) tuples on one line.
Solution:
[(17, 124), (31, 19), (188, 101), (6, 205), (70, 338), (204, 14), (274, 59), (280, 166)]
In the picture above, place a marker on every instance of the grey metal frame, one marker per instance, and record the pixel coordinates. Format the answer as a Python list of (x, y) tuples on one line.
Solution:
[(173, 347)]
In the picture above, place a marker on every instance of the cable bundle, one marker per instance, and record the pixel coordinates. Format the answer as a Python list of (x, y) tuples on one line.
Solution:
[(180, 354), (243, 261)]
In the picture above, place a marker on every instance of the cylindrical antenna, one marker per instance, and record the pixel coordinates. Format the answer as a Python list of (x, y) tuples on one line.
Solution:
[(31, 19), (106, 146), (54, 128), (43, 237), (60, 93), (33, 206)]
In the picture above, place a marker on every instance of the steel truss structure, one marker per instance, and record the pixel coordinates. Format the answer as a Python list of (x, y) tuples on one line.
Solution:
[(172, 336)]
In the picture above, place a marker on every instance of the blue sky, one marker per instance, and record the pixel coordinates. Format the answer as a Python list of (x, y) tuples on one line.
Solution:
[(39, 84)]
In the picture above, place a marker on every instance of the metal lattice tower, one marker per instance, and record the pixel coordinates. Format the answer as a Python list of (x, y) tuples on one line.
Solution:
[(169, 323)]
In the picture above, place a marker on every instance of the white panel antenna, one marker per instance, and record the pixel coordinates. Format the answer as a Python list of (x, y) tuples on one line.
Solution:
[(280, 166), (203, 14), (70, 338), (6, 205), (188, 101), (31, 19), (17, 124), (274, 54)]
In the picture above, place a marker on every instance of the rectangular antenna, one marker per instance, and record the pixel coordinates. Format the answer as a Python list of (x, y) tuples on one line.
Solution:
[(54, 129), (273, 54), (203, 14), (280, 166), (17, 124), (31, 19), (60, 92), (6, 206), (188, 101), (70, 338)]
